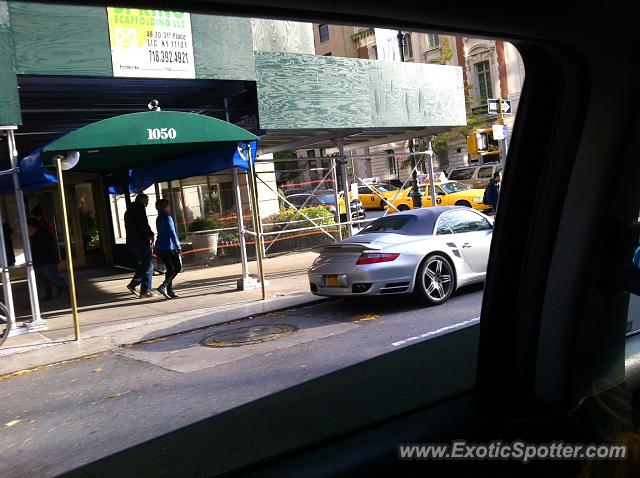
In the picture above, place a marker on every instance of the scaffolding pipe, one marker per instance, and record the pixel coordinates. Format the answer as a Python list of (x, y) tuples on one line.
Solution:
[(432, 179), (345, 185), (67, 244), (24, 232), (256, 220), (336, 194)]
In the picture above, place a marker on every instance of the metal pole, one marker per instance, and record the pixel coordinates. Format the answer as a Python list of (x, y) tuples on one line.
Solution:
[(336, 194), (67, 244), (184, 207), (172, 201), (432, 180), (415, 190), (24, 232), (6, 278), (400, 37), (256, 222), (241, 239), (236, 187), (345, 185)]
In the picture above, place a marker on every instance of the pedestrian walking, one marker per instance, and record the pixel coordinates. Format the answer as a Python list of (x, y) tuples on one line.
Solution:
[(492, 193), (45, 257), (38, 214), (167, 247), (139, 241), (8, 244)]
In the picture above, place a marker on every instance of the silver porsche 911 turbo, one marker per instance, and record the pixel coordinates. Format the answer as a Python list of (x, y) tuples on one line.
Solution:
[(430, 252)]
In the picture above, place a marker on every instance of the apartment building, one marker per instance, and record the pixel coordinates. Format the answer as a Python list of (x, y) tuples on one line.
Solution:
[(492, 69)]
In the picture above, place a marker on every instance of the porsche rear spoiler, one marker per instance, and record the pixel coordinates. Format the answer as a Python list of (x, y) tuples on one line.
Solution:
[(349, 247)]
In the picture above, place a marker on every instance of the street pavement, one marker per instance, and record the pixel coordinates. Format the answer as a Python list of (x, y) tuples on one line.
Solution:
[(58, 417)]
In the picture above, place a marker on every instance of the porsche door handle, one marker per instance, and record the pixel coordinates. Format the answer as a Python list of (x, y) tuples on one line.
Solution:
[(466, 245)]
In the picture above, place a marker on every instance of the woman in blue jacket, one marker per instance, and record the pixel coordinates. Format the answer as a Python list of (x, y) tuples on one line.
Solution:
[(167, 247)]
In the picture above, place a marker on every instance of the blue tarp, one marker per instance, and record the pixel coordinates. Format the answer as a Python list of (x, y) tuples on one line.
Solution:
[(223, 157), (33, 174)]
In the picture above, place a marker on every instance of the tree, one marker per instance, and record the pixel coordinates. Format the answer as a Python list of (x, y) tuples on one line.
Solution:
[(285, 170)]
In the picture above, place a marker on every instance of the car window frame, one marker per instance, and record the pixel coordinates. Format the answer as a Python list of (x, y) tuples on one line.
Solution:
[(463, 210), (472, 176), (491, 172)]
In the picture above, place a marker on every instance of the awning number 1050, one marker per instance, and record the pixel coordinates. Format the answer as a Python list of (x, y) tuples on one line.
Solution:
[(161, 133)]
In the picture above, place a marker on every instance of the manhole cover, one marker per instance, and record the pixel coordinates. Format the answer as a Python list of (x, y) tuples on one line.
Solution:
[(248, 335)]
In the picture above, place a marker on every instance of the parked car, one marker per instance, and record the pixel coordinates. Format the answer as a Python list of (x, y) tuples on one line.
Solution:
[(376, 196), (326, 199), (291, 191), (476, 176), (429, 252), (448, 193)]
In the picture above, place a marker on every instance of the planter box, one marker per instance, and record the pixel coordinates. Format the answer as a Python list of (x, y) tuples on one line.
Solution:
[(205, 244)]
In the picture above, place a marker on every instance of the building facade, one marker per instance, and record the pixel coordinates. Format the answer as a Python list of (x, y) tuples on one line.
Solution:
[(492, 69)]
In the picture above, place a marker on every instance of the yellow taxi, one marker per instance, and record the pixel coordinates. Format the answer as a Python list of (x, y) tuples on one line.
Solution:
[(377, 196), (448, 193)]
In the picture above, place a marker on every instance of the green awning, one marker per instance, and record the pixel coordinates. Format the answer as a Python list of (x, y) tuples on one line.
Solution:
[(136, 140)]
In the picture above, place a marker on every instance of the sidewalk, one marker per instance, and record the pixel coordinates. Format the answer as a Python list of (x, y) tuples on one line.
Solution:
[(110, 316)]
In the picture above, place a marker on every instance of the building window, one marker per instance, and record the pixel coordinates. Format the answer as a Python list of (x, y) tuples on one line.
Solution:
[(483, 71), (408, 48), (374, 52), (433, 39), (324, 32), (391, 162)]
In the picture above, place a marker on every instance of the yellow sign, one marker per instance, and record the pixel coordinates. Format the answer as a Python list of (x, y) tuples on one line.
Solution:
[(150, 43)]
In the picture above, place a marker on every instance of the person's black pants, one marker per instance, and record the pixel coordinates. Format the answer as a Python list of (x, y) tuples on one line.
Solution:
[(173, 263)]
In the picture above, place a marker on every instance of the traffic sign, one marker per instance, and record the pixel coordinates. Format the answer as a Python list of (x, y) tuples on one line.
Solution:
[(500, 131), (494, 107)]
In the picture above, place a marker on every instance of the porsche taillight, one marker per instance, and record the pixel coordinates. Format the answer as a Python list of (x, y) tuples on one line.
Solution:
[(376, 257)]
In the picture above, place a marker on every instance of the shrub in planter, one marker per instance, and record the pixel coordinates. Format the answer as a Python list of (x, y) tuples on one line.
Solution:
[(204, 225), (289, 241)]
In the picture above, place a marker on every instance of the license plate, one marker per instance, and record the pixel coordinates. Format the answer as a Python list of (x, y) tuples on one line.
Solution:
[(336, 280)]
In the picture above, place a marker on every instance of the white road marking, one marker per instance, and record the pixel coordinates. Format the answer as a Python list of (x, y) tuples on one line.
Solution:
[(438, 331)]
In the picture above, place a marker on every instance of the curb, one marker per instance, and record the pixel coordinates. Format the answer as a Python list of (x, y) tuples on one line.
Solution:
[(66, 349)]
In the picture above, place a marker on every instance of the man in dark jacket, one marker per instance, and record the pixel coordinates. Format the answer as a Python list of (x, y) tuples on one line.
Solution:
[(45, 257), (492, 193), (139, 241), (8, 244)]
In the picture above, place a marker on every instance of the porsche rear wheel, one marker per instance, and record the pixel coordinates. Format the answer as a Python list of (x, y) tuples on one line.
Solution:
[(436, 279)]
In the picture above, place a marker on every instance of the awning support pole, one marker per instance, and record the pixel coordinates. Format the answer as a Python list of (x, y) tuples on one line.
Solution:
[(241, 239), (6, 278), (185, 219), (37, 322), (257, 222), (245, 282), (67, 244)]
